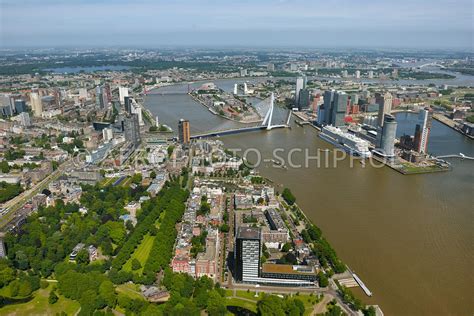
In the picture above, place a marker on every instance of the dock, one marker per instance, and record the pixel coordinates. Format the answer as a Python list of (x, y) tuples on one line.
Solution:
[(361, 284), (301, 123)]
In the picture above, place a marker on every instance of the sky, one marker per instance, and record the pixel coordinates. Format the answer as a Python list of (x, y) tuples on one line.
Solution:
[(439, 24)]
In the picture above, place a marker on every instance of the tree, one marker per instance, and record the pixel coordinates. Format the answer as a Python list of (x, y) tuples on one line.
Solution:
[(286, 247), (153, 174), (14, 287), (137, 178), (25, 288), (322, 279), (88, 302), (216, 304), (224, 228), (136, 264), (53, 298), (271, 305), (370, 311), (107, 292), (82, 256), (7, 274), (288, 196)]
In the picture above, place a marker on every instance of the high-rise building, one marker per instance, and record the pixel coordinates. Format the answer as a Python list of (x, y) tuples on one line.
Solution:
[(271, 67), (136, 109), (247, 253), (371, 74), (357, 74), (303, 102), (36, 104), (131, 129), (299, 86), (321, 118), (387, 139), (339, 109), (328, 102), (20, 106), (127, 102), (184, 134), (123, 92), (385, 105), (107, 94), (24, 118), (423, 129), (99, 98), (107, 134)]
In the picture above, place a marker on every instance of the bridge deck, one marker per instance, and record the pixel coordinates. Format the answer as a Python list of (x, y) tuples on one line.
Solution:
[(234, 131)]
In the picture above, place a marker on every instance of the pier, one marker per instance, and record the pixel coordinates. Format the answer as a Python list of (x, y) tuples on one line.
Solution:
[(362, 285)]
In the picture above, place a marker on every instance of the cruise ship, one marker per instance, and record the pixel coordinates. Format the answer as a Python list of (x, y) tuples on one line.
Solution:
[(348, 142)]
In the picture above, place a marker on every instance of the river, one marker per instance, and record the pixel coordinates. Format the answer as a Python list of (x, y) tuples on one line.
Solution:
[(409, 238)]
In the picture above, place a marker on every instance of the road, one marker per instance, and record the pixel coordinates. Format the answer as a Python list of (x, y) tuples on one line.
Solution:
[(16, 203)]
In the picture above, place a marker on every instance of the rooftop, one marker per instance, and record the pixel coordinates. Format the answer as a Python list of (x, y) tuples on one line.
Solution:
[(248, 233), (287, 269)]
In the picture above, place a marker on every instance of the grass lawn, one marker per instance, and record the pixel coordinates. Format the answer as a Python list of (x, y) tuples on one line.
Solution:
[(141, 253), (39, 305), (108, 181), (129, 289), (309, 302), (249, 295), (241, 303), (126, 181)]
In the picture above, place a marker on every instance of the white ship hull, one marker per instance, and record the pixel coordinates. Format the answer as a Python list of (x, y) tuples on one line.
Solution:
[(350, 150)]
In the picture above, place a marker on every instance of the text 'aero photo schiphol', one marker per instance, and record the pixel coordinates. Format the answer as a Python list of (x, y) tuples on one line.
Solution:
[(255, 158)]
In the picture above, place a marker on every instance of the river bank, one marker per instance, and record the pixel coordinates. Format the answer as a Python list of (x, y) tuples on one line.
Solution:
[(377, 219)]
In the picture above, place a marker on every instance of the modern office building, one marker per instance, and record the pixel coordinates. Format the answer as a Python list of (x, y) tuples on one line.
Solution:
[(423, 129), (287, 273), (247, 253), (300, 84), (131, 129), (385, 106), (127, 101), (24, 118), (387, 139), (20, 106), (99, 100), (339, 109), (321, 112), (107, 134), (328, 99), (123, 92), (184, 134), (303, 100), (36, 104)]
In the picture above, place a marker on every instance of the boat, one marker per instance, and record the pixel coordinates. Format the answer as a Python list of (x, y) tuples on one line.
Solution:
[(348, 142)]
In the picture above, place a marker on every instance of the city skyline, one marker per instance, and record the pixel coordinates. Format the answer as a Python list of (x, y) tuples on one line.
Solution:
[(299, 23)]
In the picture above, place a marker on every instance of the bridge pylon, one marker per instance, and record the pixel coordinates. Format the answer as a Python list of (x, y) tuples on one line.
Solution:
[(268, 116)]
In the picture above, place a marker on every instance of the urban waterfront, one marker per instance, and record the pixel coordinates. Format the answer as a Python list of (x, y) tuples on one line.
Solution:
[(408, 237)]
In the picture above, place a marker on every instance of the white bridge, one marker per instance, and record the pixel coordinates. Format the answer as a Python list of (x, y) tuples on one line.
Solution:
[(432, 64), (264, 109), (461, 155)]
